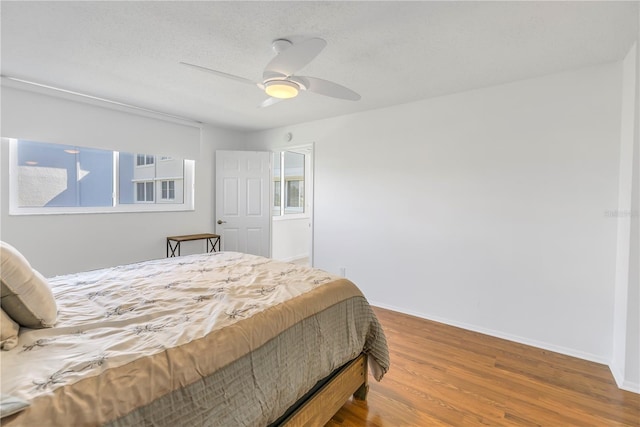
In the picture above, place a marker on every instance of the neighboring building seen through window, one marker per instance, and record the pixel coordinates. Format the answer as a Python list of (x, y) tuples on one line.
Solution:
[(154, 175)]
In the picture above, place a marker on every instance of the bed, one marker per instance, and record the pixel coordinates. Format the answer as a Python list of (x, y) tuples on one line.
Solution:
[(217, 339)]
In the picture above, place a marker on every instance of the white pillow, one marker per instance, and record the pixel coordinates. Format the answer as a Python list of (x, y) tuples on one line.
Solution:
[(8, 331), (26, 296)]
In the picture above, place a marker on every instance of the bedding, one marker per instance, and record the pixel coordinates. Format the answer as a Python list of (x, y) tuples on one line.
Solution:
[(211, 339), (26, 296), (8, 331)]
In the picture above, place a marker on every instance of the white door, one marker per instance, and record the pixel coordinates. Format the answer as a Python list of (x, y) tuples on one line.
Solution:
[(243, 208)]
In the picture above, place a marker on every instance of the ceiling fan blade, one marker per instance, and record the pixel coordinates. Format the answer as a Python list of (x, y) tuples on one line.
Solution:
[(294, 58), (221, 74), (327, 88), (269, 101)]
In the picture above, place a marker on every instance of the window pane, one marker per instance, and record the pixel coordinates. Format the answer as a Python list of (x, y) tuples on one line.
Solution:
[(95, 177), (276, 197), (169, 174), (140, 191), (63, 176), (275, 209), (168, 190), (294, 194), (144, 159), (294, 182), (149, 191)]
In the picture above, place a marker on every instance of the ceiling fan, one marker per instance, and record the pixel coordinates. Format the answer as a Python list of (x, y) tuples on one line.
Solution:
[(278, 79)]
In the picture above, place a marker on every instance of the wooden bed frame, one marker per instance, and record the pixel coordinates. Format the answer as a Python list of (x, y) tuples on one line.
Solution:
[(317, 409)]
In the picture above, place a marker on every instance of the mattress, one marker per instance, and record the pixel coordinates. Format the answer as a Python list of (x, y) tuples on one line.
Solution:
[(213, 339)]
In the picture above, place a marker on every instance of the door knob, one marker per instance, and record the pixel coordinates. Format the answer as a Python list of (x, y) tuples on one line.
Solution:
[(221, 222)]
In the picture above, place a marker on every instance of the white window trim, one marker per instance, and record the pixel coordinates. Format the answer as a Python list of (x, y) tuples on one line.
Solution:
[(187, 205), (290, 216), (168, 178)]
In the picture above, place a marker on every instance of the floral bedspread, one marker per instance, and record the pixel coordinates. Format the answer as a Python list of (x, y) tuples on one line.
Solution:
[(109, 317)]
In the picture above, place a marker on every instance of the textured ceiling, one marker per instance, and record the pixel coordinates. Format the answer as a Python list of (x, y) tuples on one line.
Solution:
[(389, 52)]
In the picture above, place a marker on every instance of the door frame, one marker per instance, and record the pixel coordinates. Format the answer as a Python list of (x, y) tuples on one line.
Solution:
[(307, 149)]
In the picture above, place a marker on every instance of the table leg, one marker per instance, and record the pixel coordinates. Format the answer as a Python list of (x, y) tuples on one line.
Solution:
[(173, 249)]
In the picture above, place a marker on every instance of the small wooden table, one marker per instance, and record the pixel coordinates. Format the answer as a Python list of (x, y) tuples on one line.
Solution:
[(212, 240)]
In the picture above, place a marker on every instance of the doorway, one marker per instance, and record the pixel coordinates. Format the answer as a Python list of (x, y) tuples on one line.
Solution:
[(292, 205)]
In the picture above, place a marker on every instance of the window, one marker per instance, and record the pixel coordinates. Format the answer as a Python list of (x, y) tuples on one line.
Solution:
[(295, 194), (277, 194), (144, 159), (144, 191), (52, 175), (288, 183), (55, 178), (168, 190), (166, 178)]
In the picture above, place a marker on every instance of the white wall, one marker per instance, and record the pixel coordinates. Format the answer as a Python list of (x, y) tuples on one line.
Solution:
[(625, 363), (485, 209), (291, 238), (37, 114), (59, 244), (631, 379)]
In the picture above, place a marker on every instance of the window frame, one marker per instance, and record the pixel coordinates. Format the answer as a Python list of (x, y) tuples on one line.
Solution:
[(282, 180), (188, 203)]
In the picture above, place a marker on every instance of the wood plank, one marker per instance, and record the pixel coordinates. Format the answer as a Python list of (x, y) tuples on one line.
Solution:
[(189, 237), (443, 375), (319, 409)]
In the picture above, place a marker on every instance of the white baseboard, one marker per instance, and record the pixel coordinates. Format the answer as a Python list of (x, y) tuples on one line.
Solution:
[(630, 386), (618, 375), (294, 258), (499, 334)]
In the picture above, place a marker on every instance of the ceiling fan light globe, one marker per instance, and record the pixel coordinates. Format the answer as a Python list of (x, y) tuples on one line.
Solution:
[(281, 89)]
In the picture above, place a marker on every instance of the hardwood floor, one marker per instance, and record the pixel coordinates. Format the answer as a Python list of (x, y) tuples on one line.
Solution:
[(445, 376)]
